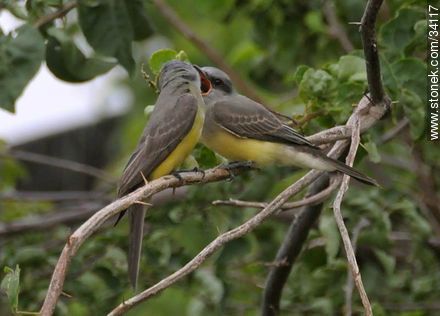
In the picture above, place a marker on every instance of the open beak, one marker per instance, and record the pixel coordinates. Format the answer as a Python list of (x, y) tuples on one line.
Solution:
[(205, 84)]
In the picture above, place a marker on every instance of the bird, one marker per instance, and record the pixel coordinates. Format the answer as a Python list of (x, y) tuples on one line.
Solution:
[(168, 138), (241, 129)]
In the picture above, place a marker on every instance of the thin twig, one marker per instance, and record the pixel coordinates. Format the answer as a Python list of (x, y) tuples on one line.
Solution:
[(311, 200), (355, 139), (395, 130), (289, 251), (52, 196), (68, 215), (59, 163), (336, 29), (55, 15), (363, 223)]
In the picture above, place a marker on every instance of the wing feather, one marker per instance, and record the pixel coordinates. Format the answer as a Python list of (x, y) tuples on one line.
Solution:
[(169, 123), (248, 119)]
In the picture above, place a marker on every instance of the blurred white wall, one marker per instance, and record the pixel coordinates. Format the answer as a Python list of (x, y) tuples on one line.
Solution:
[(49, 105)]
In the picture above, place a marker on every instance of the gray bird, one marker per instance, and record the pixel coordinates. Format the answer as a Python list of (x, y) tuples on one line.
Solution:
[(169, 137), (241, 129)]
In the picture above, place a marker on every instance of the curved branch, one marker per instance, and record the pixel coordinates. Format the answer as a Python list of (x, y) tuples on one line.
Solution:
[(289, 250), (355, 140)]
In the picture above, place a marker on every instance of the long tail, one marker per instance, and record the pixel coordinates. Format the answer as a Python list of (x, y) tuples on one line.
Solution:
[(136, 214), (342, 167)]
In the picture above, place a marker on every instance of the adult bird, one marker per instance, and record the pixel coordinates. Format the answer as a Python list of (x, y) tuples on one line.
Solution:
[(170, 135), (241, 129)]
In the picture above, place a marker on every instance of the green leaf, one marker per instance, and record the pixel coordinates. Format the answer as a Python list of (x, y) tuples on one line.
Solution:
[(11, 285), (328, 228), (373, 153), (409, 72), (414, 109), (68, 63), (161, 57), (299, 74), (315, 83), (20, 58), (107, 27), (399, 32), (139, 19), (388, 261), (352, 68), (205, 157)]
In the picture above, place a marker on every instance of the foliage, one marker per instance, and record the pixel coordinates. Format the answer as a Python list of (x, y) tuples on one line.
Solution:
[(284, 50)]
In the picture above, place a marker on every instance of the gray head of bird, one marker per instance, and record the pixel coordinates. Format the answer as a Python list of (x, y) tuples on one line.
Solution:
[(220, 81), (176, 73)]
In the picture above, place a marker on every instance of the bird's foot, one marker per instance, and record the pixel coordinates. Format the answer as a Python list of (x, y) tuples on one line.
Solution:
[(178, 172), (234, 165)]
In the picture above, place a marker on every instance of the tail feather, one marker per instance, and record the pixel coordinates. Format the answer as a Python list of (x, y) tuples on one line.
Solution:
[(136, 214), (342, 167)]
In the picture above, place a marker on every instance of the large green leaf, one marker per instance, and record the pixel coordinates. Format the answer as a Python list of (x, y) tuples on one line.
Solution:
[(11, 285), (20, 58), (399, 32), (107, 27), (409, 72), (159, 58), (139, 19), (68, 63)]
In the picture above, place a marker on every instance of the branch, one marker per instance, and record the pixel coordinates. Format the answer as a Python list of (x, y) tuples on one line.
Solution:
[(51, 195), (97, 220), (207, 49), (219, 242), (314, 199), (369, 42), (59, 163), (335, 27), (290, 249), (341, 226), (48, 221), (363, 223), (55, 15)]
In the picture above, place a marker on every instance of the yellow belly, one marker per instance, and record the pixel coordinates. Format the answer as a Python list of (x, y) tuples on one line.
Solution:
[(239, 149), (179, 154), (263, 153)]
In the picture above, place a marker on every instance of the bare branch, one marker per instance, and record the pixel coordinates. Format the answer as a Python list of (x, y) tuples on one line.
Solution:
[(363, 223), (59, 163), (55, 15), (315, 199), (52, 195), (369, 42), (341, 226), (98, 219), (336, 29), (290, 249), (48, 221), (330, 135), (395, 130)]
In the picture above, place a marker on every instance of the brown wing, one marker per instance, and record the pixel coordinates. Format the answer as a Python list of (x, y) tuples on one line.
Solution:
[(245, 118), (169, 123)]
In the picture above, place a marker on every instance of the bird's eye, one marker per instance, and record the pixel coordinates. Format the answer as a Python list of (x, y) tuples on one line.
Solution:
[(218, 82)]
